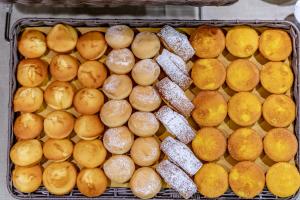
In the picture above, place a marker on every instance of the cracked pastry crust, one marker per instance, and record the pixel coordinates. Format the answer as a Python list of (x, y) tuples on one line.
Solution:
[(58, 150), (88, 127), (92, 74), (28, 99), (28, 126), (64, 67)]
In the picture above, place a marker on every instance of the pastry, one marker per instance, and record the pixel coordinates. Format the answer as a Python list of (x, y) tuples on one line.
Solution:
[(92, 74), (175, 124), (244, 108), (28, 126), (208, 74), (145, 151), (279, 110), (117, 86), (145, 72), (242, 75), (245, 144), (209, 144), (145, 183), (88, 127), (276, 77), (275, 44), (145, 45), (144, 98), (176, 60), (119, 168), (119, 36), (28, 99), (280, 144), (120, 61), (143, 124), (118, 140), (211, 108), (58, 149), (115, 113), (64, 67)]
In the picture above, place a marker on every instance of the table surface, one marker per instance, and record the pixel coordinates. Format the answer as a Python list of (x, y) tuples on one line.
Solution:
[(244, 9)]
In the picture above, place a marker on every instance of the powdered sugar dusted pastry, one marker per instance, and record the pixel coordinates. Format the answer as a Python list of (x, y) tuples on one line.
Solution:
[(120, 61), (117, 86)]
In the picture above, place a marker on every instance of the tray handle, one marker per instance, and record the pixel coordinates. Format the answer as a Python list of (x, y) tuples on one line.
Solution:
[(7, 23)]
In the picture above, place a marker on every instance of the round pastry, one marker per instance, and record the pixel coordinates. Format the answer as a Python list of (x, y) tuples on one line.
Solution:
[(88, 101), (145, 45), (211, 180), (144, 98), (28, 99), (275, 44), (115, 113), (32, 72), (276, 77), (279, 110), (143, 124), (283, 179), (59, 124), (26, 152), (208, 74), (280, 144), (88, 127), (145, 183), (145, 151), (244, 108), (92, 74), (117, 86), (119, 36), (92, 182), (64, 67), (59, 95), (62, 38), (118, 140), (209, 144), (242, 75), (28, 126), (91, 45), (211, 108), (58, 149), (32, 44), (59, 177), (27, 179), (89, 153), (208, 41), (120, 61), (242, 41), (145, 72), (119, 168), (245, 144)]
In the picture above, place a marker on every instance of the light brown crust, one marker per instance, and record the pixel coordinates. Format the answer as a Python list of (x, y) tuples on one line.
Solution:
[(143, 124), (28, 126), (64, 67), (92, 74), (119, 36), (58, 149), (28, 99), (117, 86), (120, 61), (145, 72), (145, 45), (88, 127)]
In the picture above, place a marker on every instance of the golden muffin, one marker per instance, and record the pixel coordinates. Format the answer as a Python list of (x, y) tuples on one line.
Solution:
[(88, 101), (64, 67), (27, 179), (143, 124), (59, 178), (211, 108), (32, 72), (242, 75), (246, 179), (283, 179), (245, 144), (242, 41), (208, 41), (120, 61), (92, 74), (62, 38), (28, 99), (275, 44), (208, 74), (58, 149), (276, 77), (145, 72), (89, 153), (209, 144), (28, 126), (280, 144), (92, 182), (59, 95), (59, 124), (279, 110), (117, 86), (211, 180), (88, 127), (32, 44), (26, 152), (244, 108), (119, 36)]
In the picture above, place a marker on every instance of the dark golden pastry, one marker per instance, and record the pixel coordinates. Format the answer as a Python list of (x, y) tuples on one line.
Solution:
[(119, 36), (88, 127), (58, 149), (28, 126), (91, 74), (64, 67), (28, 99)]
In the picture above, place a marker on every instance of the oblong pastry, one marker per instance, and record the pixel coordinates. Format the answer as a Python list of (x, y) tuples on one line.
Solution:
[(145, 45), (58, 149), (143, 124), (28, 99), (120, 61), (28, 126), (64, 67), (92, 74), (88, 127), (117, 86), (119, 36), (145, 72)]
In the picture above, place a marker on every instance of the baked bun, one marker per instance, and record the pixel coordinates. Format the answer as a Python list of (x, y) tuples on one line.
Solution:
[(145, 45), (91, 74), (145, 72), (58, 149), (64, 67), (143, 124), (88, 127), (117, 86), (26, 153), (120, 61), (115, 113), (28, 99), (119, 36), (32, 72), (28, 126)]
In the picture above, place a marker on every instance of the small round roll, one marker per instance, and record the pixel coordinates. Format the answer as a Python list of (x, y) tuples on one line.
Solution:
[(119, 36), (64, 67), (143, 124), (120, 61), (92, 74), (145, 45), (117, 86), (28, 99), (88, 127), (145, 72), (58, 150), (28, 126)]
